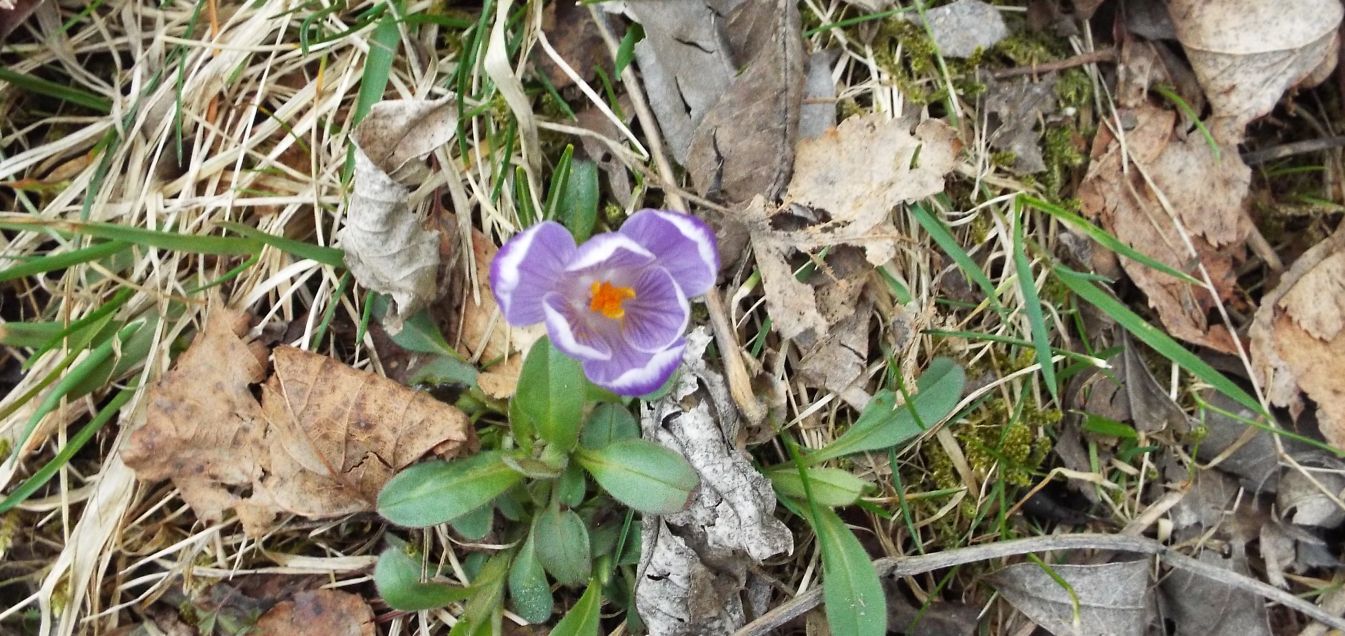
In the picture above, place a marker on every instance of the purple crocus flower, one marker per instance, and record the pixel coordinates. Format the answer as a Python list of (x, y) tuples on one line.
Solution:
[(618, 303)]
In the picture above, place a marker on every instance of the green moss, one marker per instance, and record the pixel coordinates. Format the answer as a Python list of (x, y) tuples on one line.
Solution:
[(1074, 88), (904, 50)]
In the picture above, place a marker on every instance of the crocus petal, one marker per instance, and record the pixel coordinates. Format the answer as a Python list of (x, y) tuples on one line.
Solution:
[(572, 331), (609, 252), (683, 244), (658, 314), (633, 373), (527, 268)]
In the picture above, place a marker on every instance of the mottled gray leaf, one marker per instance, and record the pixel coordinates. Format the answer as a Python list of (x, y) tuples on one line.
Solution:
[(1112, 598)]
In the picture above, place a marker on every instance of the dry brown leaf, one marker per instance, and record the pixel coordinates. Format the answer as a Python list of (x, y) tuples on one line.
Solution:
[(325, 612), (1017, 107), (745, 144), (1246, 53), (570, 29), (1204, 192), (1298, 337), (321, 442), (386, 247)]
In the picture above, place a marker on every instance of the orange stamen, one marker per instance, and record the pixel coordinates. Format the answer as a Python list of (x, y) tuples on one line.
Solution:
[(606, 299)]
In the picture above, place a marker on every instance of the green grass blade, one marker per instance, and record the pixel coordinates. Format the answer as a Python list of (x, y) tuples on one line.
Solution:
[(28, 334), (950, 246), (62, 457), (383, 45), (329, 256), (198, 244), (1104, 239), (62, 260), (62, 92), (1154, 337), (1041, 338)]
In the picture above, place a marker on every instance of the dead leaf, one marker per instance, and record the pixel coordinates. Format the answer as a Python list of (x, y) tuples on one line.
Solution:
[(1201, 606), (1305, 504), (326, 612), (1247, 53), (484, 335), (962, 28), (818, 112), (1112, 598), (1206, 193), (933, 619), (685, 65), (1016, 108), (570, 29), (386, 247), (321, 442), (694, 564), (744, 146), (1298, 337), (13, 13), (1256, 460)]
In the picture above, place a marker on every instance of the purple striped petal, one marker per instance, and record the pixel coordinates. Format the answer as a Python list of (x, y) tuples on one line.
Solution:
[(575, 331), (632, 373), (610, 252), (683, 244), (658, 314), (527, 268)]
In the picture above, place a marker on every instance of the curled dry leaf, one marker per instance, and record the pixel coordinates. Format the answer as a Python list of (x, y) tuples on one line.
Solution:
[(321, 442), (326, 612), (1111, 598), (1137, 186), (694, 564), (1246, 53), (1298, 337), (386, 247)]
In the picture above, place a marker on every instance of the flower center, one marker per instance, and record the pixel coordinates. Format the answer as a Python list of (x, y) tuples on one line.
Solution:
[(606, 298)]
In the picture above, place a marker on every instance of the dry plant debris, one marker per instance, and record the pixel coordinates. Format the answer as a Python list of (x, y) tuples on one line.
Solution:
[(321, 441), (1110, 598), (327, 612)]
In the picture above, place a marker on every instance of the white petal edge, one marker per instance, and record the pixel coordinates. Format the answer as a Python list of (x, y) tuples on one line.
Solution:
[(607, 245), (693, 232), (645, 375)]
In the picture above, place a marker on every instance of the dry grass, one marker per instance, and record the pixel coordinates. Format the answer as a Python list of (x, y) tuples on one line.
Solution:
[(263, 124)]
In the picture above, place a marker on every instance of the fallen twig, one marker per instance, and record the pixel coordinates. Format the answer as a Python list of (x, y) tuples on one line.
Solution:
[(912, 565), (1082, 59)]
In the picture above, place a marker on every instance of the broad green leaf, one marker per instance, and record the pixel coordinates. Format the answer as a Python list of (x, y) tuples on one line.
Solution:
[(582, 619), (1154, 337), (562, 546), (1036, 319), (475, 525), (397, 577), (830, 486), (551, 394), (882, 424), (578, 208), (1108, 427), (485, 606), (642, 475), (443, 370), (571, 485), (608, 423), (852, 594), (435, 492), (419, 333), (528, 589)]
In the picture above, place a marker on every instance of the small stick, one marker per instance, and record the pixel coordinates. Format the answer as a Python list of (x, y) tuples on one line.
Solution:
[(912, 565), (1082, 59), (1296, 148)]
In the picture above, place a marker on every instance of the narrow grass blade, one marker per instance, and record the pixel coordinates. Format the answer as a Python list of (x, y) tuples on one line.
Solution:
[(1154, 337), (62, 260), (62, 92), (329, 256), (1104, 239), (193, 243), (28, 334), (950, 246), (1041, 338), (582, 619)]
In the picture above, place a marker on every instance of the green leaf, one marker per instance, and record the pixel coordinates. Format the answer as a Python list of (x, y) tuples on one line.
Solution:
[(852, 594), (625, 52), (63, 260), (1041, 337), (419, 333), (330, 256), (528, 589), (63, 92), (609, 423), (1157, 340), (443, 370), (532, 468), (642, 475), (397, 577), (562, 545), (582, 619), (551, 394), (435, 492), (571, 486), (949, 244), (830, 486), (1106, 426), (484, 607), (883, 425), (475, 525), (578, 208)]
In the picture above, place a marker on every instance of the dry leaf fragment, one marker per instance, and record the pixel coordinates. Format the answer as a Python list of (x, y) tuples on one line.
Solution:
[(1298, 337), (570, 29), (484, 335), (1110, 598), (1202, 606), (744, 146), (1017, 107), (818, 111), (321, 442), (1246, 53), (326, 612), (386, 247)]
